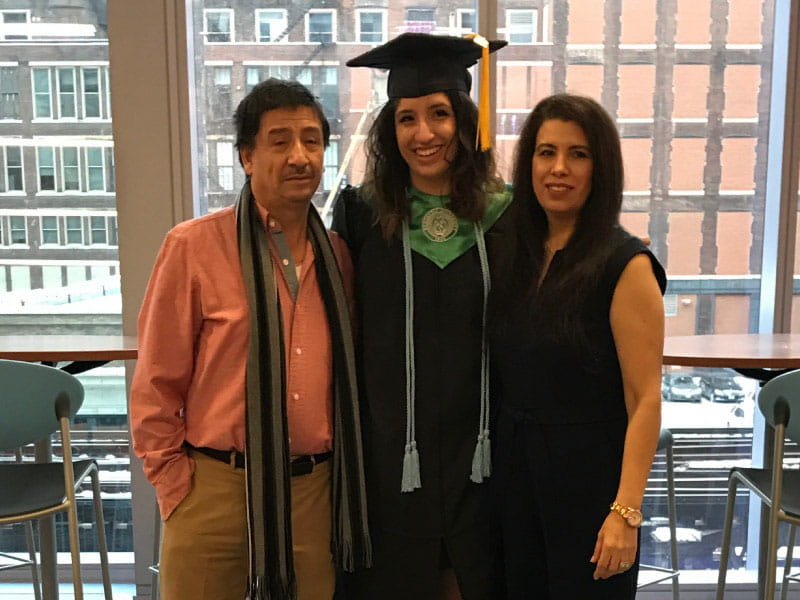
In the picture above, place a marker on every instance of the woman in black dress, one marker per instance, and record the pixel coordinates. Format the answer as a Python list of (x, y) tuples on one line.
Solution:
[(577, 356), (425, 231)]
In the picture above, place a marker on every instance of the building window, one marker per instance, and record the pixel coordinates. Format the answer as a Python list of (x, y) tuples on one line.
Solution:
[(50, 233), (91, 93), (371, 26), (95, 170), (465, 20), (47, 169), (521, 26), (218, 25), (74, 231), (420, 20), (225, 165), (255, 75), (65, 79), (9, 93), (99, 230), (321, 26), (271, 26), (13, 24), (42, 107), (14, 181), (330, 165), (220, 97), (70, 171), (18, 231)]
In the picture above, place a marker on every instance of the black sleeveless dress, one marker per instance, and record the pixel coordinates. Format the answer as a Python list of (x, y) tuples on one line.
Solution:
[(559, 444)]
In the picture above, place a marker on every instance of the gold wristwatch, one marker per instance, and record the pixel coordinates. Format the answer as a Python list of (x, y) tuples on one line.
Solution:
[(632, 516)]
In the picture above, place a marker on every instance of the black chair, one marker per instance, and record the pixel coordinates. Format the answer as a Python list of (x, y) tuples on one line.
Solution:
[(778, 488), (36, 401), (665, 443)]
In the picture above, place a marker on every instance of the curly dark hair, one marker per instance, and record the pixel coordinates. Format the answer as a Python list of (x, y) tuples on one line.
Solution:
[(472, 172), (555, 306)]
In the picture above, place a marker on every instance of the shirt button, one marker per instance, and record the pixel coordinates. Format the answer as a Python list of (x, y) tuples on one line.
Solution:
[(296, 396), (298, 351), (272, 223), (285, 262)]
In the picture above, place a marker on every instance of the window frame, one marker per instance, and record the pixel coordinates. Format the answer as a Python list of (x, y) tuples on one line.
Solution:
[(384, 32), (36, 94), (285, 20), (13, 36), (42, 243), (460, 12), (103, 115), (231, 30), (321, 11), (7, 171), (16, 93), (88, 170), (11, 229), (533, 24), (39, 167), (77, 167), (59, 93)]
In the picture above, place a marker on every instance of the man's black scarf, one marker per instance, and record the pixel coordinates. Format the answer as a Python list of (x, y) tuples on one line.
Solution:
[(269, 503)]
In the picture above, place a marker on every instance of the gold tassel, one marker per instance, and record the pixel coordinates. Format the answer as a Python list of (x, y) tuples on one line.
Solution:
[(483, 139)]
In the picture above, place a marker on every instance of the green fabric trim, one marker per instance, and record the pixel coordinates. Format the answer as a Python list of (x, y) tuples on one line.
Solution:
[(443, 253)]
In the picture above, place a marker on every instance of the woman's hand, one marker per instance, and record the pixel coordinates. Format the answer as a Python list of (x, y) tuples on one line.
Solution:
[(615, 549)]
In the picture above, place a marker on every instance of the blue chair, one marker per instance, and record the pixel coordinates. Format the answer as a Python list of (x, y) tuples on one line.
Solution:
[(36, 401), (778, 488)]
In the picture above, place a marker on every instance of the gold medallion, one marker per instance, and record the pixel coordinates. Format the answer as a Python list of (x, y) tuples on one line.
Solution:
[(439, 224)]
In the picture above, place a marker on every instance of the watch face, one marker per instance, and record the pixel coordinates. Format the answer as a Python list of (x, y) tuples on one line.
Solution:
[(634, 518)]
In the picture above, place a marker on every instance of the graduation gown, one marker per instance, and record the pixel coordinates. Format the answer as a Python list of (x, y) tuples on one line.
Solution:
[(449, 510)]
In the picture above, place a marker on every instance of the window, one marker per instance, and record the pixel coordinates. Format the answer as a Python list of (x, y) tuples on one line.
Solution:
[(42, 107), (65, 77), (9, 93), (272, 26), (99, 230), (18, 231), (95, 170), (225, 165), (70, 171), (218, 25), (420, 20), (50, 232), (330, 165), (521, 26), (321, 26), (466, 20), (255, 75), (91, 93), (14, 181), (13, 24), (371, 26), (220, 98), (74, 230), (47, 169)]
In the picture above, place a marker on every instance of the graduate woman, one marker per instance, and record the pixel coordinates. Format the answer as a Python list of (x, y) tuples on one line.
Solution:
[(577, 357), (426, 230)]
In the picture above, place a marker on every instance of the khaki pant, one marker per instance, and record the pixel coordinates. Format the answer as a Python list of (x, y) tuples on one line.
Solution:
[(204, 551)]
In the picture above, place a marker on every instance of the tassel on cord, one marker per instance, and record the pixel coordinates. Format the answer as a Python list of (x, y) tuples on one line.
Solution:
[(487, 455), (411, 479), (477, 461), (484, 134)]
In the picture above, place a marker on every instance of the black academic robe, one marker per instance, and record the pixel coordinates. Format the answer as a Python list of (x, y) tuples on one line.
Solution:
[(448, 304)]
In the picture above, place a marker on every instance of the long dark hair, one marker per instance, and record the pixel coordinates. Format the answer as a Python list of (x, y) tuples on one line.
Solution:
[(472, 173), (555, 307)]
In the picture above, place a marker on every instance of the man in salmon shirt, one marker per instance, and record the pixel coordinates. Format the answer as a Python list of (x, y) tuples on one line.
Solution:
[(243, 404)]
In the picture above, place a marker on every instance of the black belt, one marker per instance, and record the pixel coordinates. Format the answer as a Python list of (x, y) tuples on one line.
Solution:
[(301, 465)]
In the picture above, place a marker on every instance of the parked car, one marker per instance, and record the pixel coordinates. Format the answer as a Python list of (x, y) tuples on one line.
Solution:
[(722, 388), (676, 387)]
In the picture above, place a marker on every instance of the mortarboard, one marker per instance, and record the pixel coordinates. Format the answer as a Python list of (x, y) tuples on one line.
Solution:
[(420, 64)]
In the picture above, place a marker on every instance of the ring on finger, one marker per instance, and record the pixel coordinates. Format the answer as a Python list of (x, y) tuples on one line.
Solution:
[(624, 565)]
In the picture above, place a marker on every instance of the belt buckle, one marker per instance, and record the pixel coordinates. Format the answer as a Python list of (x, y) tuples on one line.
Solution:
[(232, 459), (303, 465)]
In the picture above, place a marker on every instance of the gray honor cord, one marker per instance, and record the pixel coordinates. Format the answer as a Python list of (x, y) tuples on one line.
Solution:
[(481, 460)]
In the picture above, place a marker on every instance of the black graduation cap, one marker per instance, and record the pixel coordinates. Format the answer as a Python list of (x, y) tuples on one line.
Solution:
[(420, 64)]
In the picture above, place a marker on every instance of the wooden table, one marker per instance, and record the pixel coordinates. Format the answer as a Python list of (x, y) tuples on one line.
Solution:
[(82, 352), (737, 350), (756, 355)]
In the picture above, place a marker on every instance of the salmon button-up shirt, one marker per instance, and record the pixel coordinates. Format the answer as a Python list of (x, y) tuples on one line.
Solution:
[(189, 384)]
